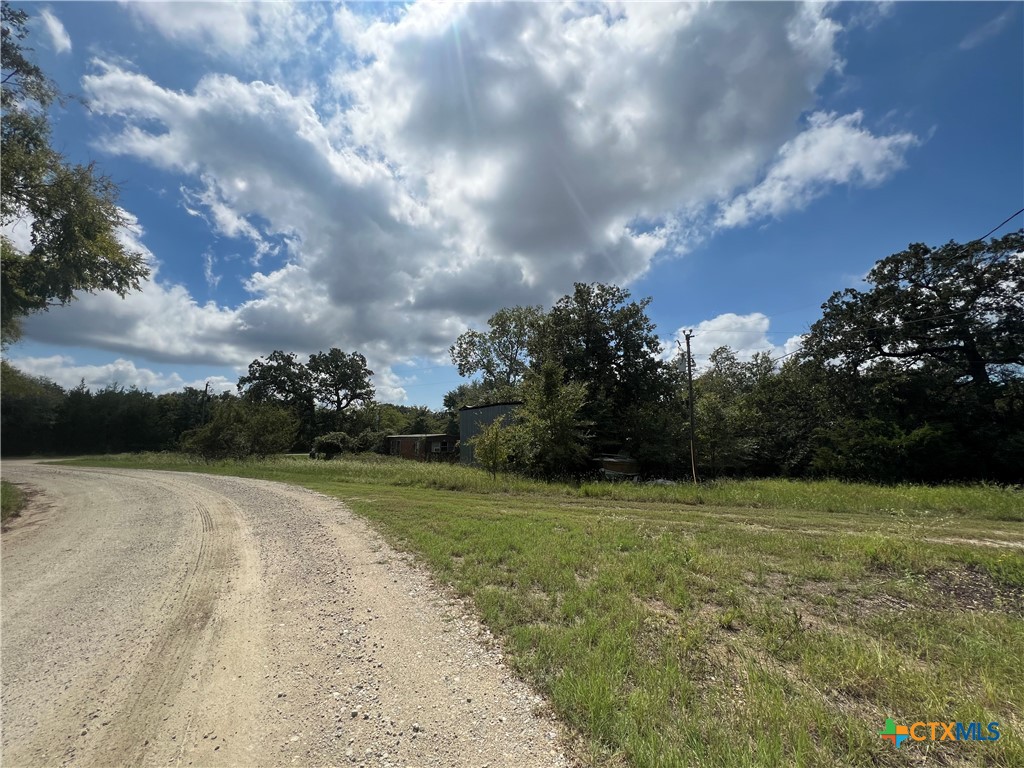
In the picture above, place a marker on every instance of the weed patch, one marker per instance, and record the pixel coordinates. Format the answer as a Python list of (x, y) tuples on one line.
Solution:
[(12, 501)]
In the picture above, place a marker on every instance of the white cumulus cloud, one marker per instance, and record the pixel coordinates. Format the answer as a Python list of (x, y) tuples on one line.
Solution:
[(121, 372), (834, 149), (746, 335)]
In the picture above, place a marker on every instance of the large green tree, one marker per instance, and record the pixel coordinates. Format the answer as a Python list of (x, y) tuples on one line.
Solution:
[(339, 379), (280, 377), (70, 209), (283, 379), (500, 354), (926, 367), (957, 309), (603, 339), (792, 407), (726, 415)]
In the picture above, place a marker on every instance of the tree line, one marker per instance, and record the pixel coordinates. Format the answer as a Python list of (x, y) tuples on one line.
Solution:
[(920, 377), (281, 405)]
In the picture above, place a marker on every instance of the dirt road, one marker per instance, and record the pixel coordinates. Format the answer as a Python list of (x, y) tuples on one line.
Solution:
[(170, 619)]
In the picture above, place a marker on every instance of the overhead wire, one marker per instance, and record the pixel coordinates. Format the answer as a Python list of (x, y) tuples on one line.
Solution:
[(713, 331), (877, 328)]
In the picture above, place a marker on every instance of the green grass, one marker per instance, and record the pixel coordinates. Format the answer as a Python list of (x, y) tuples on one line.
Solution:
[(741, 623), (983, 502), (12, 501)]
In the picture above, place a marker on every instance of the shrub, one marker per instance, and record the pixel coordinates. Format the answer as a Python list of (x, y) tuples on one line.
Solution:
[(335, 443), (238, 430), (330, 445), (371, 440), (492, 447)]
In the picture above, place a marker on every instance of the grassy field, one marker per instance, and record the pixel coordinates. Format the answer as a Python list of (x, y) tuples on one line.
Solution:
[(12, 501), (740, 623)]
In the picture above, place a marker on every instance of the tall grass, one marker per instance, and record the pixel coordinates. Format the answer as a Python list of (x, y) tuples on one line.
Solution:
[(983, 502)]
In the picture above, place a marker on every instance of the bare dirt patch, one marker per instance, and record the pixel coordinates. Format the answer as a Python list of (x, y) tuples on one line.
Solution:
[(1000, 543), (971, 589)]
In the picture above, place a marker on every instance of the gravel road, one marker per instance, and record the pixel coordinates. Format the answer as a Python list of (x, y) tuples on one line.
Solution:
[(163, 618)]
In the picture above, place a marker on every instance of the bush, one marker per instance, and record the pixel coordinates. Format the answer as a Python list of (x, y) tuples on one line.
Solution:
[(334, 443), (330, 445), (371, 440), (238, 430), (493, 446)]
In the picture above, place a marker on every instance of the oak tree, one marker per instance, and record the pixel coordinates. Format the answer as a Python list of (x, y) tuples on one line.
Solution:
[(340, 379), (604, 340), (956, 308)]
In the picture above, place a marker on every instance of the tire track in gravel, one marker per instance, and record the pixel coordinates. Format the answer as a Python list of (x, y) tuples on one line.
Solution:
[(189, 609), (113, 708), (82, 588), (176, 619)]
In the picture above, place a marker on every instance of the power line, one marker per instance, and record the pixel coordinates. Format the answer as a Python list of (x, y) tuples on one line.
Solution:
[(788, 354), (930, 319), (994, 229), (967, 245), (963, 248), (1000, 224)]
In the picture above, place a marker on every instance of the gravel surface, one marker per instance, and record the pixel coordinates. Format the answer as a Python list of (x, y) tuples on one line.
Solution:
[(163, 618)]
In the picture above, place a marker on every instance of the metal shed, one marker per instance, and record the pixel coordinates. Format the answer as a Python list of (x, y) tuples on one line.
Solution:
[(473, 420)]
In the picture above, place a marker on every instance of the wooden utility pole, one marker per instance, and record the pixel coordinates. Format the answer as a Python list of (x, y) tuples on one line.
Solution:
[(206, 403), (689, 382)]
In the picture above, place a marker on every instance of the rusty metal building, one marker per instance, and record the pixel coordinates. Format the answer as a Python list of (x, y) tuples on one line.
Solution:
[(421, 447)]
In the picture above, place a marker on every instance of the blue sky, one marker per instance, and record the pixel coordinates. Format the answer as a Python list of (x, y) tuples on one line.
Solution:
[(382, 177)]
